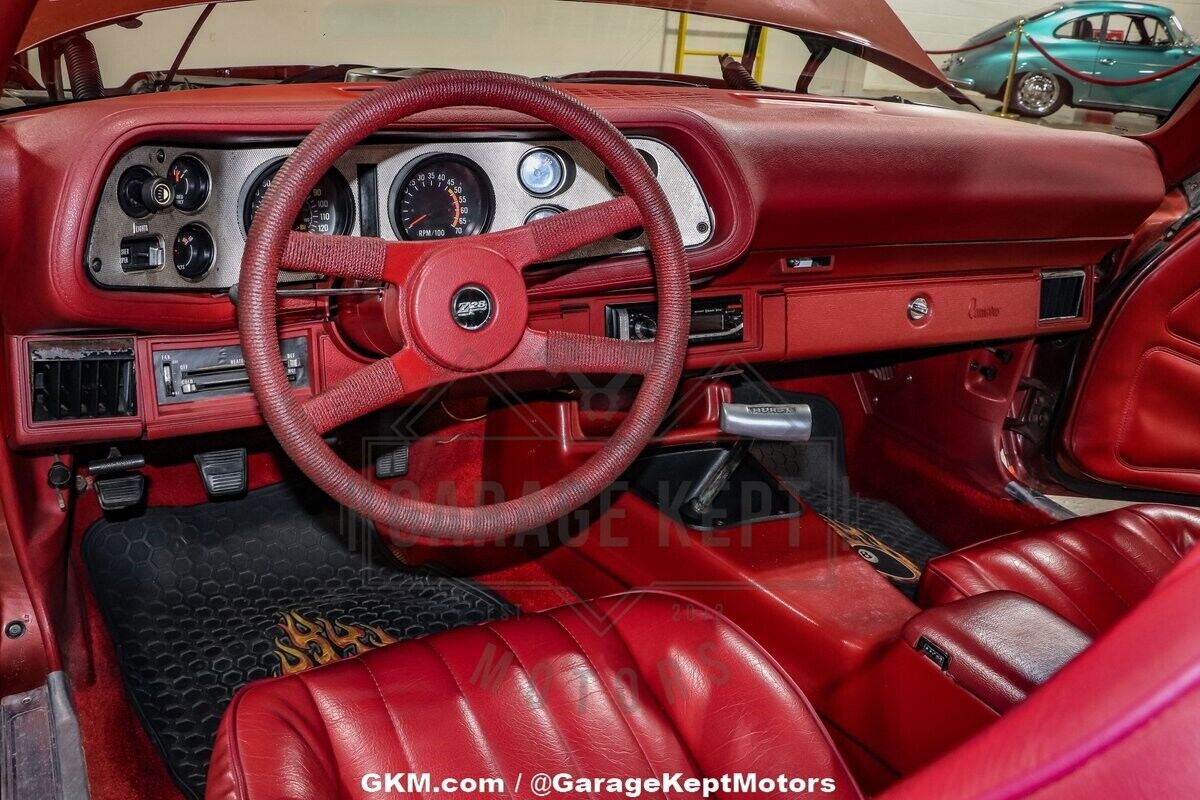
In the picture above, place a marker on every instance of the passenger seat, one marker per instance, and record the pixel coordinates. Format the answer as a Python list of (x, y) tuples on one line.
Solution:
[(1091, 570)]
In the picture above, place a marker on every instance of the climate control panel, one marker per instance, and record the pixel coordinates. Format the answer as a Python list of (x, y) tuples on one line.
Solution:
[(185, 375)]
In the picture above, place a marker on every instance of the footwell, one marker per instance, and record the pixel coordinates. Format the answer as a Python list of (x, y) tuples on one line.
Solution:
[(816, 471), (204, 599)]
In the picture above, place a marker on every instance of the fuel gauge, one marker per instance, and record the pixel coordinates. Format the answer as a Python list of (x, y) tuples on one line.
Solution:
[(189, 176)]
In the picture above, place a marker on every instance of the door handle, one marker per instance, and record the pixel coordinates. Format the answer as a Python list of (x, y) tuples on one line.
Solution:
[(1108, 62)]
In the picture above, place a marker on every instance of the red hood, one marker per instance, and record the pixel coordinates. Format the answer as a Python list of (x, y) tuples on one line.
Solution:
[(869, 23)]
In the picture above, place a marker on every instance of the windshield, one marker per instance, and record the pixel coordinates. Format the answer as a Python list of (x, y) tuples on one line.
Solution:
[(1178, 34), (198, 47), (271, 40)]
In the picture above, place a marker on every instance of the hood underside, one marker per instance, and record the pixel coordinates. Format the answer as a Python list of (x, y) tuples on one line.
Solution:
[(867, 24)]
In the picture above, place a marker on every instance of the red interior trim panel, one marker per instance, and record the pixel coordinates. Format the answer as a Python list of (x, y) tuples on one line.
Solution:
[(1134, 419)]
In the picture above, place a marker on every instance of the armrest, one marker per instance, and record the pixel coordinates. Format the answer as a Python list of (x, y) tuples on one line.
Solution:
[(999, 646)]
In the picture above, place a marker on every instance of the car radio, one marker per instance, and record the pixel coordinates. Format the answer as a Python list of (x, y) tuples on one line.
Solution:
[(714, 320)]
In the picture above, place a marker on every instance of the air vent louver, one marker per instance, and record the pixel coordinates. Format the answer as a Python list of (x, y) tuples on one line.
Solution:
[(1062, 295), (82, 379)]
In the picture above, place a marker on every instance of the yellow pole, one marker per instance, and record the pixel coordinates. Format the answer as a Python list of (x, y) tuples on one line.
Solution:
[(760, 59), (1012, 69), (681, 43)]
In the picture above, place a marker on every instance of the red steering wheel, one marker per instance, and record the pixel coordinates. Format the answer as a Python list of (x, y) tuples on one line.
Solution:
[(461, 305)]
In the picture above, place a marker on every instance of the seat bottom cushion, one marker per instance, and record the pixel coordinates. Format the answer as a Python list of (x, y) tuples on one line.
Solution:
[(635, 685), (1090, 570)]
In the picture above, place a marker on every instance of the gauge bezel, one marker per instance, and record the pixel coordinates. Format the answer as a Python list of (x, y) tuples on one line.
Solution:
[(211, 262), (543, 207), (342, 187), (651, 162), (485, 182), (564, 161), (208, 192)]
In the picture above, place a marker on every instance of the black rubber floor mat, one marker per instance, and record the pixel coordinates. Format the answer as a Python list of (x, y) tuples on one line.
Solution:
[(816, 471), (203, 599)]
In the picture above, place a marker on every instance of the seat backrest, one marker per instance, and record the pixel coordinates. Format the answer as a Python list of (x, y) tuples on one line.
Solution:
[(1119, 721)]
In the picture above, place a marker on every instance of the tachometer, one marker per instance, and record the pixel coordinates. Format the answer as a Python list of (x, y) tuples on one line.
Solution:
[(328, 209), (442, 197)]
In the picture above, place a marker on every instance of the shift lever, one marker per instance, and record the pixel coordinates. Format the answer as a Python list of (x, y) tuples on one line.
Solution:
[(773, 422), (770, 422)]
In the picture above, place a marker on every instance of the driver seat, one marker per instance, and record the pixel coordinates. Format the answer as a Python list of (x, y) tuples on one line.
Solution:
[(639, 684)]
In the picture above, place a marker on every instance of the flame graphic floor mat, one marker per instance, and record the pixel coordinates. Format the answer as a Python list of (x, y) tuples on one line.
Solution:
[(204, 599), (878, 531)]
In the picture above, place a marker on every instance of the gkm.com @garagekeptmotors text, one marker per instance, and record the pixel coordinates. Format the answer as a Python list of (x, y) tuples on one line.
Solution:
[(565, 784)]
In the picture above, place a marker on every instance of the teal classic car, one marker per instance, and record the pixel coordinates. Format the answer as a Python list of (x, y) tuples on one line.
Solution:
[(1114, 41)]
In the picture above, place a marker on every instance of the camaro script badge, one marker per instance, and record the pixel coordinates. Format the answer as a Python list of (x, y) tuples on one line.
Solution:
[(471, 308)]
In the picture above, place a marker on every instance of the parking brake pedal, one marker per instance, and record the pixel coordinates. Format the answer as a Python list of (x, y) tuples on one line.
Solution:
[(118, 487), (223, 472)]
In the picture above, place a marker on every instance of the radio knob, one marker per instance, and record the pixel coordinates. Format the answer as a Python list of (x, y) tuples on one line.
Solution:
[(644, 329)]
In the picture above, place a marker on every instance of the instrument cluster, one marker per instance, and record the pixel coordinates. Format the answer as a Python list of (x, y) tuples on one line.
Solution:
[(176, 219)]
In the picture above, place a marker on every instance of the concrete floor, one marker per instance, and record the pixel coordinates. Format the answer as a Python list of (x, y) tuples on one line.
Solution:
[(1123, 124)]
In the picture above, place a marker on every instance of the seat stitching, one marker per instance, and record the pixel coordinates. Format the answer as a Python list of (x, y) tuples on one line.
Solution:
[(1050, 579), (933, 572), (554, 725), (391, 717), (616, 703), (687, 749), (493, 764), (980, 572), (1157, 529), (1122, 555), (1066, 551)]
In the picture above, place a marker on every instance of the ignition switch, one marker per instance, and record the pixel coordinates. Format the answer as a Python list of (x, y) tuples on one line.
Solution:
[(59, 477)]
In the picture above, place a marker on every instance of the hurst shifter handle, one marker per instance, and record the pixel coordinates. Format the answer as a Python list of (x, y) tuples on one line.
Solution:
[(770, 422)]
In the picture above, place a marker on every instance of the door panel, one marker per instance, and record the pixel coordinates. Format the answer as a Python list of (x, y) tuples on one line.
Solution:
[(1135, 419)]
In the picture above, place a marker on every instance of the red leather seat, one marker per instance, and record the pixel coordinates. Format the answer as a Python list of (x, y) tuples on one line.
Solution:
[(1091, 570), (639, 684), (1118, 721)]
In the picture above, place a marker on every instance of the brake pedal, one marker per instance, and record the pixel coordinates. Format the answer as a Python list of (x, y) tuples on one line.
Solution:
[(224, 472)]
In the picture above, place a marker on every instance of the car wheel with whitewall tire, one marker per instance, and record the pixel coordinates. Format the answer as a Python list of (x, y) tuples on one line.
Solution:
[(1038, 94)]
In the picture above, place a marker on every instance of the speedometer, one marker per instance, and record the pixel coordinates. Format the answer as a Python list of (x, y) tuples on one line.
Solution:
[(442, 197), (328, 209)]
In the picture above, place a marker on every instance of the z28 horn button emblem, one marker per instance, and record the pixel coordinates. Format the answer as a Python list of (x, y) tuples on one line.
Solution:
[(471, 307)]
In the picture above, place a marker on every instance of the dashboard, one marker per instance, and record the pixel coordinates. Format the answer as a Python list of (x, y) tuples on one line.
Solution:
[(816, 228), (174, 218)]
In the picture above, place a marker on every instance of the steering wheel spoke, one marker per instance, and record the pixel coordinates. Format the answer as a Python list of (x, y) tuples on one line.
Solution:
[(354, 257), (364, 391), (577, 352), (564, 233)]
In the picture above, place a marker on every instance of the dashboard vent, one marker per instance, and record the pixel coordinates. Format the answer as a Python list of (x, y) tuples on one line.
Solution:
[(1062, 295), (82, 379)]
